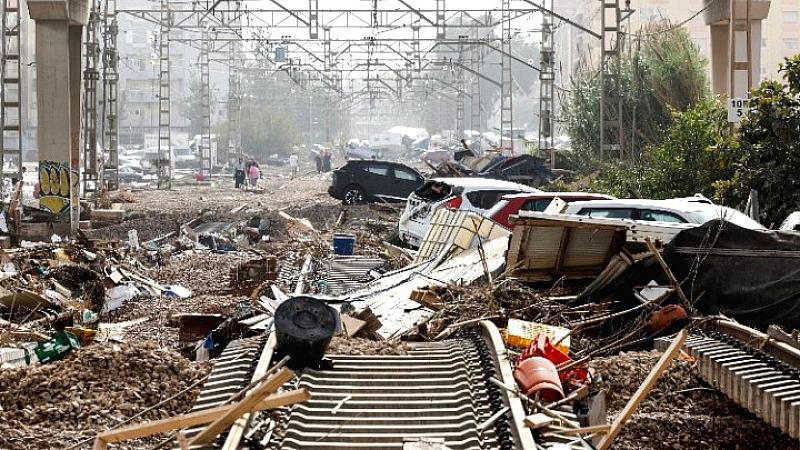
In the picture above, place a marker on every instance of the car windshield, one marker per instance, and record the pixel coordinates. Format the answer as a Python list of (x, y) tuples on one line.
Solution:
[(433, 191), (731, 215)]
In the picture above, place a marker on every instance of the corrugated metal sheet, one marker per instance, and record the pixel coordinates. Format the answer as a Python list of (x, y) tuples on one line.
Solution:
[(389, 296), (347, 273)]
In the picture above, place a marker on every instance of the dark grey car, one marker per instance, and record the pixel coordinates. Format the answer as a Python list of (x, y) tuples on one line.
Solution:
[(361, 181)]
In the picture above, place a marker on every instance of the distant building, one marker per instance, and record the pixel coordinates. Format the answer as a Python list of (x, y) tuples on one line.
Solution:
[(780, 31), (139, 76)]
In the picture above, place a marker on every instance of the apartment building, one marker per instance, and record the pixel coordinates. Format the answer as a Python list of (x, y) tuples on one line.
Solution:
[(780, 31), (139, 77)]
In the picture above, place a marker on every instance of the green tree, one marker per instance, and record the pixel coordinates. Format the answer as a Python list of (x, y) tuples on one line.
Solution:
[(768, 148), (663, 72), (192, 106), (687, 161), (267, 131)]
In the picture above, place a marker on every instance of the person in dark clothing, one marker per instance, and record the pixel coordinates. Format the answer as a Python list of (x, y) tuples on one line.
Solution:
[(465, 151), (239, 176), (318, 160), (326, 161)]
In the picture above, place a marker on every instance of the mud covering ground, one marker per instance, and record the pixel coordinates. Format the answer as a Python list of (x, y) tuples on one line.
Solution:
[(680, 413)]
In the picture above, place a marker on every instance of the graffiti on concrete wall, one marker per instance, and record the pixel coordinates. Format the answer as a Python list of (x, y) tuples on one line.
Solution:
[(54, 185)]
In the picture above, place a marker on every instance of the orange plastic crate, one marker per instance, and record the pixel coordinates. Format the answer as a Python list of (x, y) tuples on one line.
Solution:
[(520, 333)]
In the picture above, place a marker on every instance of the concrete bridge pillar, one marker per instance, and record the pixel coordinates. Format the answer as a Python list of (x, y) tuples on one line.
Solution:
[(718, 17), (58, 69)]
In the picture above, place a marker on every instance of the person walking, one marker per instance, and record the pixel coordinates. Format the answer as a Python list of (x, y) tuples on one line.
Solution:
[(326, 161), (239, 175), (318, 161), (294, 165), (255, 174)]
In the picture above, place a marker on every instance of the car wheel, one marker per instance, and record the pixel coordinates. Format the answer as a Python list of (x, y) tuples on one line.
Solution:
[(353, 195)]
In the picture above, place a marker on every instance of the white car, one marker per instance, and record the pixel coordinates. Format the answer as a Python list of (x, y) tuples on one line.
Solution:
[(130, 161), (686, 210), (791, 223), (463, 194)]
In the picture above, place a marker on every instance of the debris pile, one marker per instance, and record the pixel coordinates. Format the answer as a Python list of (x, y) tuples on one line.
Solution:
[(681, 411), (95, 387), (217, 266)]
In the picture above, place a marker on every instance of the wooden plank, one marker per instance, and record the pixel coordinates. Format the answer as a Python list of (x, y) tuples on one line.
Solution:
[(640, 393), (665, 267), (182, 442), (264, 362), (573, 431), (538, 420), (555, 223), (194, 419), (426, 298), (253, 398), (562, 248)]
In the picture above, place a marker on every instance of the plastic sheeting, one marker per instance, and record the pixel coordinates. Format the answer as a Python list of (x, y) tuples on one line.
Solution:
[(750, 276)]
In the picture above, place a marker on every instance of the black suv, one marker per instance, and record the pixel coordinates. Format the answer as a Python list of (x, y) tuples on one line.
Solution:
[(361, 181)]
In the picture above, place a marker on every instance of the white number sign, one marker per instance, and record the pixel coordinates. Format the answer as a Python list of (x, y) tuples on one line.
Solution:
[(736, 109)]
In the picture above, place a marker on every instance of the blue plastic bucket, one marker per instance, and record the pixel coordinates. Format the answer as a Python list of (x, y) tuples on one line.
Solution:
[(343, 243)]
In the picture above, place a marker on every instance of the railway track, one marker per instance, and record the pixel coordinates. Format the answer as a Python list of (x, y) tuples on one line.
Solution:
[(439, 392), (759, 373)]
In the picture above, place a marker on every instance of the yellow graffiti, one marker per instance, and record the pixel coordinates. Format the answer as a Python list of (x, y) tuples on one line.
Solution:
[(44, 181), (54, 185), (64, 175), (54, 203)]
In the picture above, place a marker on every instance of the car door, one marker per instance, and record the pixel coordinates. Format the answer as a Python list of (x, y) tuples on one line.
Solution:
[(377, 181), (405, 182)]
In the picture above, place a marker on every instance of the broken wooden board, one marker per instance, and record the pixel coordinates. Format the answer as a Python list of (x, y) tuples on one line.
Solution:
[(295, 226), (192, 419), (644, 389), (538, 420), (427, 298), (253, 398)]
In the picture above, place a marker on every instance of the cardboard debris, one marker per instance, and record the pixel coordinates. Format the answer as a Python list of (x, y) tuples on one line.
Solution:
[(427, 297), (352, 325), (298, 227)]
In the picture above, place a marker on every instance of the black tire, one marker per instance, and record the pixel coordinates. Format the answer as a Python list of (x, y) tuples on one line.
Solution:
[(353, 195)]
